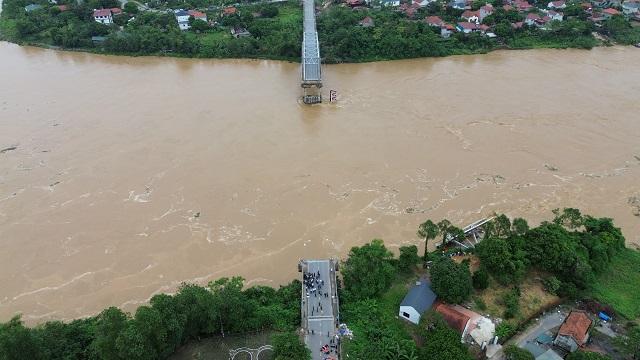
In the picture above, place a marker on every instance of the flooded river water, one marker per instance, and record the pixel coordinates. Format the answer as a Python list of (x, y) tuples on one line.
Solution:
[(123, 177)]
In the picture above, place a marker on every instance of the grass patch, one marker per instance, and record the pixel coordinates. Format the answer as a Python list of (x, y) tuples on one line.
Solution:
[(533, 299), (619, 286)]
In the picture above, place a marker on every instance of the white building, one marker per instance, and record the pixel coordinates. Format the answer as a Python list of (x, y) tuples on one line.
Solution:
[(182, 17), (103, 16), (418, 300)]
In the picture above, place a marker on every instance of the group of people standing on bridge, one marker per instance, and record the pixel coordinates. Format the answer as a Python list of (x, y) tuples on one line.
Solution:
[(313, 285)]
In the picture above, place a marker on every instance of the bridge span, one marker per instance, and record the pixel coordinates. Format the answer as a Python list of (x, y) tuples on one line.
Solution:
[(311, 67), (320, 308)]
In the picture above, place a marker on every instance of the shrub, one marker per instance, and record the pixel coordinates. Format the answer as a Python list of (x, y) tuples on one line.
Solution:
[(481, 279), (551, 284)]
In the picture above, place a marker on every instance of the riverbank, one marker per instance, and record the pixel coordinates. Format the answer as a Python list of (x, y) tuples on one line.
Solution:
[(273, 31)]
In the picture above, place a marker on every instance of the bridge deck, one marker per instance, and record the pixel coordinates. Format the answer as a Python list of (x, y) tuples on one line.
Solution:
[(320, 312), (311, 71)]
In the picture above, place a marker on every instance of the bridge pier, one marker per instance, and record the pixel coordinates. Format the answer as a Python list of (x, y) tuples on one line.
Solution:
[(311, 93)]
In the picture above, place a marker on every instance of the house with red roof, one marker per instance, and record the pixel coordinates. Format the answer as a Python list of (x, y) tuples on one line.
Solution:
[(554, 15), (469, 324), (467, 27), (485, 11), (522, 5), (366, 22), (561, 4), (103, 16), (609, 12), (471, 16), (231, 10), (446, 30), (434, 21), (198, 15), (574, 331), (62, 7), (116, 11), (533, 19)]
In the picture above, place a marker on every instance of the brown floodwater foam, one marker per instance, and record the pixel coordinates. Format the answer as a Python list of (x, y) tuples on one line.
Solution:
[(132, 175)]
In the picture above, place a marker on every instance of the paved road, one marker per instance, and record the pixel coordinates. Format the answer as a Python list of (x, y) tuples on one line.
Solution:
[(320, 307)]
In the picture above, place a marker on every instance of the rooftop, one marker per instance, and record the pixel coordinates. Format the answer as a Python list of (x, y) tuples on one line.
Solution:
[(576, 325), (420, 297)]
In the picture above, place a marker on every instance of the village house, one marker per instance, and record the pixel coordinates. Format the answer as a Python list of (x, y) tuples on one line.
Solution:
[(554, 15), (182, 17), (556, 5), (517, 25), (609, 12), (198, 15), (467, 27), (228, 11), (631, 7), (390, 3), (522, 5), (32, 7), (356, 3), (238, 32), (446, 30), (116, 11), (472, 327), (103, 16), (434, 21), (366, 22), (409, 9), (62, 8), (471, 16), (422, 3), (507, 7), (485, 11), (457, 4), (574, 331), (533, 19), (418, 300)]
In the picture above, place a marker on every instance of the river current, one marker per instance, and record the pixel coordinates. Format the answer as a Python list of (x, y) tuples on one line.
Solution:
[(123, 177)]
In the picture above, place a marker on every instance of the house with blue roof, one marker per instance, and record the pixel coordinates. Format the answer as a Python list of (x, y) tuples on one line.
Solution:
[(418, 300)]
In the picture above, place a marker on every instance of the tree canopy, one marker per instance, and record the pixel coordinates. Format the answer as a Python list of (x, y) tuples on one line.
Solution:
[(368, 271), (450, 281)]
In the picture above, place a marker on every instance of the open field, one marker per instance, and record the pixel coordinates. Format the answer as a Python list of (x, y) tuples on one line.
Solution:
[(619, 286)]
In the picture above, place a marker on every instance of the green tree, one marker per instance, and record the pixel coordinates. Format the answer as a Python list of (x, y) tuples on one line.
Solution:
[(288, 346), (111, 323), (587, 355), (131, 8), (513, 352), (451, 281), (552, 284), (233, 309), (269, 11), (18, 342), (440, 341), (408, 258), (368, 271), (480, 279), (428, 230)]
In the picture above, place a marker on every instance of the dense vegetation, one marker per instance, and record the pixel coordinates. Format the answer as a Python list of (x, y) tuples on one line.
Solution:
[(157, 330), (572, 249), (276, 31)]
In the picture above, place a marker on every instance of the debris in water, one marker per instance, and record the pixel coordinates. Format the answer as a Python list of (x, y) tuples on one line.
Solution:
[(197, 215), (10, 148), (634, 201), (550, 167)]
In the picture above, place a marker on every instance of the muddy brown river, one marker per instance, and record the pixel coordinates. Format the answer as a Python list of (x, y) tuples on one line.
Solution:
[(123, 177)]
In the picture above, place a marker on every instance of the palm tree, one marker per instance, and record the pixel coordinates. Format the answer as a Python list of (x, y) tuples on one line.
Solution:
[(427, 230)]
